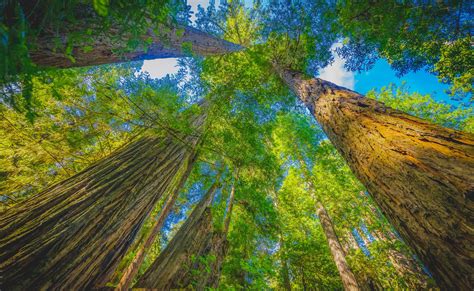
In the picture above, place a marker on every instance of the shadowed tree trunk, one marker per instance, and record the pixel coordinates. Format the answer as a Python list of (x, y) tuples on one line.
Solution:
[(347, 277), (420, 174), (230, 206), (109, 48), (285, 270), (286, 273), (175, 265), (137, 261), (72, 235)]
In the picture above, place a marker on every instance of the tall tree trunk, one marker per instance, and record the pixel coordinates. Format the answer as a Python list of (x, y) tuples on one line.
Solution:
[(230, 206), (72, 235), (134, 266), (285, 270), (420, 174), (170, 270), (109, 48), (365, 282), (347, 277)]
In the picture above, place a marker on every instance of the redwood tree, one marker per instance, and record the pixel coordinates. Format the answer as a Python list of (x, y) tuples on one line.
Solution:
[(347, 277), (419, 173), (77, 33), (171, 42), (74, 233), (173, 267), (133, 268)]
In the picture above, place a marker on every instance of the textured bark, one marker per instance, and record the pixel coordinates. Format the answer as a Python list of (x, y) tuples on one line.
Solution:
[(109, 47), (348, 279), (420, 174), (173, 267), (72, 235), (134, 266)]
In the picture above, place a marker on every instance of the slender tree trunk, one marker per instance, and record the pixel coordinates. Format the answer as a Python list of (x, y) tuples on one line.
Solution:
[(134, 266), (285, 268), (347, 277), (303, 279), (72, 235), (172, 266), (230, 206), (110, 47), (349, 243), (420, 174)]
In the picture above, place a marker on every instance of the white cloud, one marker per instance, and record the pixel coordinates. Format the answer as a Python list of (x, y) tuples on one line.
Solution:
[(194, 4), (160, 67), (336, 72)]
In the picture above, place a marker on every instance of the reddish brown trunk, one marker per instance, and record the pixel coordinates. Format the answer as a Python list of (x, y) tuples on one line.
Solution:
[(348, 279), (132, 269), (172, 267), (110, 47), (72, 235), (420, 174)]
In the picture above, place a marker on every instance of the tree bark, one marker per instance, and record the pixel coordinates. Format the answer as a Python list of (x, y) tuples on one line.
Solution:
[(230, 206), (72, 235), (347, 277), (134, 266), (420, 174), (173, 267), (110, 47)]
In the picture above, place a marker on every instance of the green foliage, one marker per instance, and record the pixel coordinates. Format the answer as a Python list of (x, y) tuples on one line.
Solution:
[(411, 35), (66, 120), (425, 107), (101, 7), (81, 116), (73, 23), (455, 65), (316, 172)]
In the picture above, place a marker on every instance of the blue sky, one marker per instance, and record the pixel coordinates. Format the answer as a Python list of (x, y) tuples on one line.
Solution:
[(382, 74), (379, 76)]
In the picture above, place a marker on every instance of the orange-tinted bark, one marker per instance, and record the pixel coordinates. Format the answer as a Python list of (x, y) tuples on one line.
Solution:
[(420, 174)]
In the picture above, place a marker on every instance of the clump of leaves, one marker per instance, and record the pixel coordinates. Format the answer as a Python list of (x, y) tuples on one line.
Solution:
[(425, 107)]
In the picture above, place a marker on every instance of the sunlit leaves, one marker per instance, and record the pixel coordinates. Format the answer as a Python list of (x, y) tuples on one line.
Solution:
[(410, 35), (81, 116), (425, 107)]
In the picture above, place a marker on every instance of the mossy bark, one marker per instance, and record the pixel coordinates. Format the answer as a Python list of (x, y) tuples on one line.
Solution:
[(420, 174), (111, 47), (133, 268), (192, 259), (72, 235)]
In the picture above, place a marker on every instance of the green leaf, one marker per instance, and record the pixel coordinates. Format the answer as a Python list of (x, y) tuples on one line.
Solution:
[(101, 7)]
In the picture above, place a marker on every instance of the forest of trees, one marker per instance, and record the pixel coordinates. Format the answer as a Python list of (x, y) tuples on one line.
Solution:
[(244, 170)]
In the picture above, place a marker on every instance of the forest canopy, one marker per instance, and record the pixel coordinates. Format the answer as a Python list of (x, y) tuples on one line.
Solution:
[(245, 169)]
